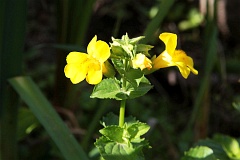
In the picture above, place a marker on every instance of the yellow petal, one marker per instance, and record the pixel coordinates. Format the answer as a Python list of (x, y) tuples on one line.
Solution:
[(102, 51), (180, 57), (184, 70), (94, 77), (93, 64), (194, 71), (70, 70), (75, 73), (92, 45), (141, 61), (98, 49), (162, 61), (170, 41), (76, 57), (79, 77)]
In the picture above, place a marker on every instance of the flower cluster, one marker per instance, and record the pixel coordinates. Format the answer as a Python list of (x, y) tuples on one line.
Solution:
[(93, 64), (131, 60)]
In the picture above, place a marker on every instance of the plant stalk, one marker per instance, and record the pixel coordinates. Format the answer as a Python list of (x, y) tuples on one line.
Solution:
[(122, 113)]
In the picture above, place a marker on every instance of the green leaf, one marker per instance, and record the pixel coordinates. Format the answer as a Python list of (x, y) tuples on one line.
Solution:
[(122, 142), (134, 77), (113, 133), (13, 15), (118, 64), (108, 88), (136, 130), (127, 48), (219, 153), (124, 45), (136, 40), (119, 151), (117, 51), (143, 48), (141, 90), (48, 117), (230, 145), (199, 153)]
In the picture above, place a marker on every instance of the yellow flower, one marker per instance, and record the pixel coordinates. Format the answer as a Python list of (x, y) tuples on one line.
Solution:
[(81, 65), (173, 57), (142, 62)]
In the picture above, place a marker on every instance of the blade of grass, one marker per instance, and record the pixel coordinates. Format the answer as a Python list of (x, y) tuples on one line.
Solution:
[(9, 124), (210, 47), (48, 117), (163, 9), (85, 18), (12, 30)]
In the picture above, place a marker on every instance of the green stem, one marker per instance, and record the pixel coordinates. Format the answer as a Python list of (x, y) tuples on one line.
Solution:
[(123, 102), (122, 113)]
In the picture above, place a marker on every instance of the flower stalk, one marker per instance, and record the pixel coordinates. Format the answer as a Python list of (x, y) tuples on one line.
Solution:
[(122, 113)]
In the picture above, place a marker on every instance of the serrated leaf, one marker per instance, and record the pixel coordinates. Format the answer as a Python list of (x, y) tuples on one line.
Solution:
[(113, 133), (143, 48), (136, 40), (128, 48), (108, 88), (122, 143), (134, 77), (118, 64), (116, 151), (199, 153), (141, 90), (130, 120), (136, 130), (118, 51)]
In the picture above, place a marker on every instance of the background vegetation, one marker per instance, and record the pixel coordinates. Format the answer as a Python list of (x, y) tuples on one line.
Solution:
[(36, 36)]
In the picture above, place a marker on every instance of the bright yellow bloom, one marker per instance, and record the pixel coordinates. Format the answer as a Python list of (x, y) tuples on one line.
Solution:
[(173, 57), (81, 65), (142, 62)]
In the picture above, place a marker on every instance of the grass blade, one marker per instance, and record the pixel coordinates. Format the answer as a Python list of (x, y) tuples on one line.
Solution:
[(152, 27), (199, 113), (12, 36), (48, 117)]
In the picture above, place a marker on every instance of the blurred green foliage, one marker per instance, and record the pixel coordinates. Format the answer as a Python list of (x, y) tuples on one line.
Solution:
[(179, 112)]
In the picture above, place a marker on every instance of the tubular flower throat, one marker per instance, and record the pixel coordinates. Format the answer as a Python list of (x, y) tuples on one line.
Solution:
[(90, 66), (142, 62), (172, 57)]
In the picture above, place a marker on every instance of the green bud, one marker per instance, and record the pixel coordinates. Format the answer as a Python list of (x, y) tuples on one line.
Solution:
[(108, 70)]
